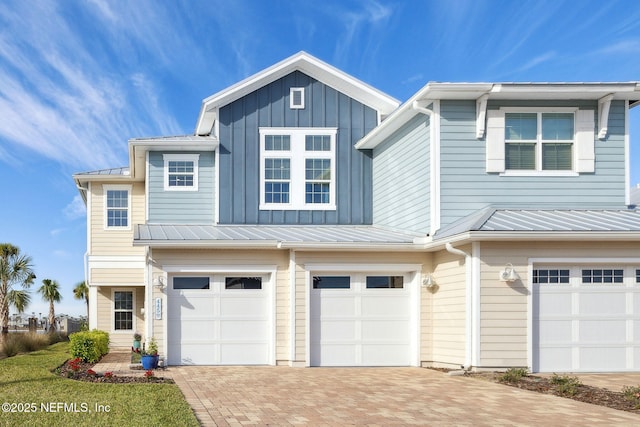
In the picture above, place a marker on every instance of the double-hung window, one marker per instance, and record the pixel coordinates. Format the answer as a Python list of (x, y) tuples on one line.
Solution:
[(297, 168), (123, 310), (539, 141), (181, 172), (117, 206)]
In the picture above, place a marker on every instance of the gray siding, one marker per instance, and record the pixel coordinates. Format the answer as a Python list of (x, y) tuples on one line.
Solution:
[(466, 186), (181, 207), (401, 179), (269, 107)]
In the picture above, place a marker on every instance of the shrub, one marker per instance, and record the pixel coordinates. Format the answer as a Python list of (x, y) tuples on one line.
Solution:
[(632, 394), (513, 375), (89, 346), (11, 345), (56, 337), (565, 385), (32, 342)]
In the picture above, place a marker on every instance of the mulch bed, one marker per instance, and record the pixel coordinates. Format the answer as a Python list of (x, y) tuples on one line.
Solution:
[(583, 393), (82, 371)]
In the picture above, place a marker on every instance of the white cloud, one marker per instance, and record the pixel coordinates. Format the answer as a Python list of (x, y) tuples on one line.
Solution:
[(75, 209)]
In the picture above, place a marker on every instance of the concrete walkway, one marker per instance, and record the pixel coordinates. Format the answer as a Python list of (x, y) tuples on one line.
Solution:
[(234, 396)]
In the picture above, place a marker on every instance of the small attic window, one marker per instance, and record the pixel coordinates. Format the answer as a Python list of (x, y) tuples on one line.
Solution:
[(296, 98)]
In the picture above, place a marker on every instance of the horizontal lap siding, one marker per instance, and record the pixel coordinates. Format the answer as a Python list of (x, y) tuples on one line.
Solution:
[(119, 276), (466, 186), (181, 207), (401, 181), (105, 316), (114, 242), (504, 307), (269, 107), (448, 317), (235, 259)]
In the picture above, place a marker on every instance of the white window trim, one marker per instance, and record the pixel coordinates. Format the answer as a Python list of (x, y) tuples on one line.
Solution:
[(298, 154), (106, 189), (181, 158), (539, 171), (292, 104), (113, 311)]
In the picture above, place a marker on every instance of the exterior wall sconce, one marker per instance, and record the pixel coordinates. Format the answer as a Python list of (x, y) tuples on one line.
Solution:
[(428, 281), (509, 274), (158, 282)]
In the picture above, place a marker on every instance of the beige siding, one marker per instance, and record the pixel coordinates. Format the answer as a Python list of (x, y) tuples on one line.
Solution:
[(119, 339), (448, 310), (338, 258), (504, 307), (117, 276), (231, 258), (114, 242)]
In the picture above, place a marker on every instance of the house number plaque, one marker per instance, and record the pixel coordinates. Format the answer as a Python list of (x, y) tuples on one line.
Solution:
[(158, 310)]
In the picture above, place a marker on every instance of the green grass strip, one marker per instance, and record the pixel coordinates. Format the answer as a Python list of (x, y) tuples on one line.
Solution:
[(31, 395)]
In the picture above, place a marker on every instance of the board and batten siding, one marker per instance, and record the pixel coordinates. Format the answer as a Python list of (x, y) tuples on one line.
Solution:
[(181, 207), (466, 187), (114, 242), (239, 152), (401, 178)]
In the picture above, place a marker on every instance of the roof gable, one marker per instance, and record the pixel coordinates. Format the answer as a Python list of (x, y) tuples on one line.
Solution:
[(307, 64)]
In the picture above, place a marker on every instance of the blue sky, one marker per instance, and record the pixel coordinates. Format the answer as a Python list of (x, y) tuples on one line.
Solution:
[(78, 78)]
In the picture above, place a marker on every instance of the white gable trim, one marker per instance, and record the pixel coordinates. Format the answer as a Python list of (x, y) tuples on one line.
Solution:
[(307, 64)]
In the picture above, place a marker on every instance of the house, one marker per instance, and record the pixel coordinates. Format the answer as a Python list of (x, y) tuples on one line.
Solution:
[(312, 220)]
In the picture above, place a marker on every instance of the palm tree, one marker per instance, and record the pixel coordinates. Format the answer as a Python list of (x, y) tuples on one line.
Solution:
[(50, 291), (15, 270), (81, 291)]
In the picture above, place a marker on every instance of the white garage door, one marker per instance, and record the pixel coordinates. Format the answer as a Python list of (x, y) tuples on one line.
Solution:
[(219, 320), (360, 320), (586, 319)]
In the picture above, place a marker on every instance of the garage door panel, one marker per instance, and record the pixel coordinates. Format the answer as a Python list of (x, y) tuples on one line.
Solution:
[(555, 331), (333, 305), (385, 355), (384, 305), (193, 354), (334, 355), (386, 330), (603, 359), (558, 357), (335, 330), (243, 353), (601, 303), (603, 331), (246, 329), (554, 303), (242, 305)]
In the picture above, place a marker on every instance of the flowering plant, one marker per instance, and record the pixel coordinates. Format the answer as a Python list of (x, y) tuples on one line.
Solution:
[(91, 372), (75, 364), (148, 374), (108, 374)]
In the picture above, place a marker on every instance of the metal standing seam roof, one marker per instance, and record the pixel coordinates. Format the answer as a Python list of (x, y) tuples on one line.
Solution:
[(186, 234), (552, 220), (123, 171)]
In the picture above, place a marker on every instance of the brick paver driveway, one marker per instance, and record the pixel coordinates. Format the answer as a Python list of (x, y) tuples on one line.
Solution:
[(280, 396)]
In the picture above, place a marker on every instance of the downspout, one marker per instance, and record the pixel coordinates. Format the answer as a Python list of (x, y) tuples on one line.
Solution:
[(434, 136), (468, 301)]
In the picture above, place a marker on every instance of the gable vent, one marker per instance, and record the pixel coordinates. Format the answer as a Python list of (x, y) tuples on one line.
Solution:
[(296, 98)]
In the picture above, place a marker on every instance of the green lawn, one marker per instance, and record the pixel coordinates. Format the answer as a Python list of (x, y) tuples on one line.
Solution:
[(27, 384)]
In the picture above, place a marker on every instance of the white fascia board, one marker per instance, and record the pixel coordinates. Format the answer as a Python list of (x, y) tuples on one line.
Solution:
[(619, 90), (311, 66), (533, 236), (212, 244)]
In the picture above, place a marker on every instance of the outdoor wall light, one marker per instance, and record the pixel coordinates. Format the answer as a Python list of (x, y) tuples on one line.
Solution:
[(158, 282), (509, 274), (428, 281)]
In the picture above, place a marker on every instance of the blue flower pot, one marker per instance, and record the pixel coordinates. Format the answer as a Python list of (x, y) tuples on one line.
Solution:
[(149, 362)]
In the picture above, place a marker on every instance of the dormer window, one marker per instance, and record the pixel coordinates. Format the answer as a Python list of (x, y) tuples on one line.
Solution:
[(181, 172), (296, 98)]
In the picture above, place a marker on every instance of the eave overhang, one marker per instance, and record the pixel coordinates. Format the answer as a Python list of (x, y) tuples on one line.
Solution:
[(483, 92)]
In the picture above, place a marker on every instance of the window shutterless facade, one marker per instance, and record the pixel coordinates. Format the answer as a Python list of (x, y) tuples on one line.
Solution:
[(181, 172), (297, 168), (117, 203), (122, 310)]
